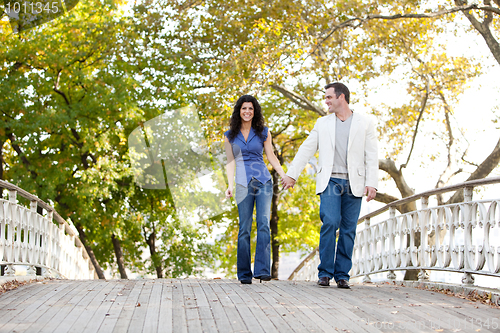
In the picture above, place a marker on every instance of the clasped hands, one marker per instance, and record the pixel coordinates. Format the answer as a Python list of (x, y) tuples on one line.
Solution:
[(287, 182)]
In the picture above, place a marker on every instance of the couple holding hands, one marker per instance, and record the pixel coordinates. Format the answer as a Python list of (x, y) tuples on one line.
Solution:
[(347, 170)]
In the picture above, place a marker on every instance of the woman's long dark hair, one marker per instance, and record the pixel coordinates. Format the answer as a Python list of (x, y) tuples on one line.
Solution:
[(257, 120)]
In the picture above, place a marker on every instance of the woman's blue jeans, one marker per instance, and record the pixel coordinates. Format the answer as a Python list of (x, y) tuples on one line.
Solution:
[(339, 209), (258, 195)]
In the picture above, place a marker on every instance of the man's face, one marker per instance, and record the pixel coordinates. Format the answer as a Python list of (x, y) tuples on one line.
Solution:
[(331, 100)]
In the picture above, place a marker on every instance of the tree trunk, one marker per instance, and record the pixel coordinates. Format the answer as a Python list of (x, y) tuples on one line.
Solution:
[(275, 245), (151, 241), (119, 256), (91, 254)]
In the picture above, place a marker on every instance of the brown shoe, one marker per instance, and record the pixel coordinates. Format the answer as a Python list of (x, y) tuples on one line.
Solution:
[(324, 281), (343, 284)]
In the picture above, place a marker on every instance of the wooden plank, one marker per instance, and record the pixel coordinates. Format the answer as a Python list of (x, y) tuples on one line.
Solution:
[(204, 309), (179, 323), (153, 308), (221, 320), (97, 311), (141, 308), (193, 319), (63, 309), (78, 307), (235, 320), (114, 311), (281, 312), (278, 320), (88, 312), (442, 311), (462, 306), (127, 310), (83, 312), (13, 304), (337, 313), (44, 316), (21, 293), (417, 315), (165, 322), (265, 323), (227, 306), (382, 310), (29, 307), (324, 318), (243, 308), (298, 307)]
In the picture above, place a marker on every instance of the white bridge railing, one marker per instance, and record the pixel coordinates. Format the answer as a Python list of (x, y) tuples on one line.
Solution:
[(462, 237), (45, 247)]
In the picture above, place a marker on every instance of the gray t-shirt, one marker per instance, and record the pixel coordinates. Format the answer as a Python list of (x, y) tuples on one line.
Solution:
[(342, 129)]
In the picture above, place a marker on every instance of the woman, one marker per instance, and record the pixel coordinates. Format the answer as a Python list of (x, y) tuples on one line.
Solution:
[(244, 142)]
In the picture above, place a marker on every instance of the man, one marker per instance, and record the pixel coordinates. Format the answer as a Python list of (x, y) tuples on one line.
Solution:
[(347, 170)]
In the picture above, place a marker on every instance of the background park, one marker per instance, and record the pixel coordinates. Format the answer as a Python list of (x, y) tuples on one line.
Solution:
[(73, 89)]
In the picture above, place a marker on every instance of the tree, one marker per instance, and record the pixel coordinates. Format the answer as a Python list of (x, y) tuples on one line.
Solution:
[(295, 47), (72, 91)]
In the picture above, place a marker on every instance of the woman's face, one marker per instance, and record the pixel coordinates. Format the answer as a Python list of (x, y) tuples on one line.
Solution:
[(246, 111)]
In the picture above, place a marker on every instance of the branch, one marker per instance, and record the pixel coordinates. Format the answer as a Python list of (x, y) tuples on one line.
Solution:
[(446, 175), (385, 198), (21, 155), (484, 29), (352, 22), (396, 174), (298, 99), (56, 88), (422, 108), (277, 133)]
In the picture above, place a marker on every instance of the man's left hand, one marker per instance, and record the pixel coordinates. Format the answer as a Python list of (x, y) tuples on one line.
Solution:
[(370, 193)]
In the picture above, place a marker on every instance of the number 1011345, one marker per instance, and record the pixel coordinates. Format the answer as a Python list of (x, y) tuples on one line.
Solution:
[(31, 7)]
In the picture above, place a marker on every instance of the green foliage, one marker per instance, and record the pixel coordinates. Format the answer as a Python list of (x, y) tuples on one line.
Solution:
[(72, 90)]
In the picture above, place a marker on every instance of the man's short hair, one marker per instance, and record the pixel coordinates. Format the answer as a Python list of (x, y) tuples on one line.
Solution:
[(340, 89)]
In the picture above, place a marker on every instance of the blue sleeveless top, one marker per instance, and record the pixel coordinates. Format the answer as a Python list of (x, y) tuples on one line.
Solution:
[(249, 158)]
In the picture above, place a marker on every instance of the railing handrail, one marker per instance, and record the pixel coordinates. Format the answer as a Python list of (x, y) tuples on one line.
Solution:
[(444, 189), (435, 191), (58, 218)]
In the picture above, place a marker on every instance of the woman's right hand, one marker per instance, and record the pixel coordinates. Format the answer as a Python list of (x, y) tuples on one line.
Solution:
[(229, 192)]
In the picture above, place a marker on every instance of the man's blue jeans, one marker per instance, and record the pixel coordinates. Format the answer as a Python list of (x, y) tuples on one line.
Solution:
[(339, 209), (258, 195)]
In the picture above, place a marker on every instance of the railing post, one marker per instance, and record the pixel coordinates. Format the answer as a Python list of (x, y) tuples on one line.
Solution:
[(467, 278), (33, 206), (468, 191), (423, 275), (10, 270), (366, 278), (392, 215), (13, 196), (425, 202)]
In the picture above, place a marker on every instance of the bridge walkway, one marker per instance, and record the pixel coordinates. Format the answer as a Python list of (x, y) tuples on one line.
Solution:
[(202, 305)]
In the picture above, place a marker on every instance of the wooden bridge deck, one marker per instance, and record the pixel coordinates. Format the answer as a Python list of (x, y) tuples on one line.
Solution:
[(195, 305)]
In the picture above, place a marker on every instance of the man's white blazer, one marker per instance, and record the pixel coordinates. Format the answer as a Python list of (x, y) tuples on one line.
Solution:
[(362, 153)]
